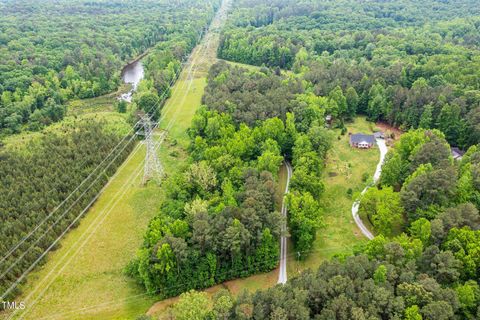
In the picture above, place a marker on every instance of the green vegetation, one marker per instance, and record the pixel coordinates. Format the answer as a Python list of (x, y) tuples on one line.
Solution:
[(344, 171), (412, 64), (40, 176), (219, 220), (383, 209), (84, 278), (50, 53), (162, 66), (215, 218), (430, 272)]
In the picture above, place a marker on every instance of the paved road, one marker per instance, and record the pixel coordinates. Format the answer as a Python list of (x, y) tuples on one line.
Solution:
[(282, 275), (383, 151)]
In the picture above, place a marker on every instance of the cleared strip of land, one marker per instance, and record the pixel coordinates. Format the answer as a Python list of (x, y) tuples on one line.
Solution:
[(84, 279), (346, 168)]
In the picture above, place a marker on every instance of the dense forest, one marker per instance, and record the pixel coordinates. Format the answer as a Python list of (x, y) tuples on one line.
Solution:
[(413, 64), (219, 220), (53, 51), (431, 271), (36, 181)]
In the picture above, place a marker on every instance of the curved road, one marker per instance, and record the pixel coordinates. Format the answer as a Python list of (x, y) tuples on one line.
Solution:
[(383, 151), (282, 275)]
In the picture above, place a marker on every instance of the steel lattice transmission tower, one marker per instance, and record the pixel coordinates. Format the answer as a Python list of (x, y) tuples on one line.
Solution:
[(153, 168)]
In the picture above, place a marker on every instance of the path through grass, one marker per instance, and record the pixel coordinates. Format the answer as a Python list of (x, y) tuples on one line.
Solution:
[(84, 278), (344, 170)]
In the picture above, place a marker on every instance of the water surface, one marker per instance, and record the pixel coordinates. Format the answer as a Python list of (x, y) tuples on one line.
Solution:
[(132, 74)]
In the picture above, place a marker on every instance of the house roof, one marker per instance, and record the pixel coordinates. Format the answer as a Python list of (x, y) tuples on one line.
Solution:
[(360, 137), (456, 152), (379, 134)]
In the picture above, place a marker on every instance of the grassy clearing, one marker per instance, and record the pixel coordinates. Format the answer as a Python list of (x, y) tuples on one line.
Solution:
[(254, 68), (344, 169), (103, 103), (84, 278), (114, 122), (92, 285), (182, 116), (340, 233), (243, 65)]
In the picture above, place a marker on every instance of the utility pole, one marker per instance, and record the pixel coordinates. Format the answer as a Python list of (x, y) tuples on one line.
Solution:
[(153, 169)]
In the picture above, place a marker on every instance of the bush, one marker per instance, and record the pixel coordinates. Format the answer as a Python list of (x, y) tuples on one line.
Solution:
[(350, 193), (365, 177)]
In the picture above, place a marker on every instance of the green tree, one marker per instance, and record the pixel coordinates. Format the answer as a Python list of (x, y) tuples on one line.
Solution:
[(222, 305), (150, 103), (270, 159), (201, 177), (413, 313), (352, 102), (166, 258), (468, 295), (426, 120), (337, 96), (449, 122), (304, 220), (380, 275), (192, 305), (384, 209), (121, 106), (392, 170), (377, 102), (421, 229)]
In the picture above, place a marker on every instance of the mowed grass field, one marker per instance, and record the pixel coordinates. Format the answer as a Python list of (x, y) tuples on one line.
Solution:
[(344, 169), (84, 279)]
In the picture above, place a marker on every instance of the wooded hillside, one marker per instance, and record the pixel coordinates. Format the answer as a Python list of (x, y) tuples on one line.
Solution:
[(412, 64)]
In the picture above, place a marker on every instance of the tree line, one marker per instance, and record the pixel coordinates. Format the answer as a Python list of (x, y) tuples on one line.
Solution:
[(52, 52), (413, 65), (220, 220), (41, 189)]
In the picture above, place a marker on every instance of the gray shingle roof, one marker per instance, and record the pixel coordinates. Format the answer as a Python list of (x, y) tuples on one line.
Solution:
[(360, 137), (456, 152), (379, 134)]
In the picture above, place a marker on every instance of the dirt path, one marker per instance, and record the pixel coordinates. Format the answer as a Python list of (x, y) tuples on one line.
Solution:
[(282, 274), (356, 205)]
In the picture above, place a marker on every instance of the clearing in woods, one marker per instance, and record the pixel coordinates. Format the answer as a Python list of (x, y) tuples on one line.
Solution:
[(84, 278), (345, 169)]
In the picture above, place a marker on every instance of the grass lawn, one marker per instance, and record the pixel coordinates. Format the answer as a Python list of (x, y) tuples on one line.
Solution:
[(344, 169), (84, 278)]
